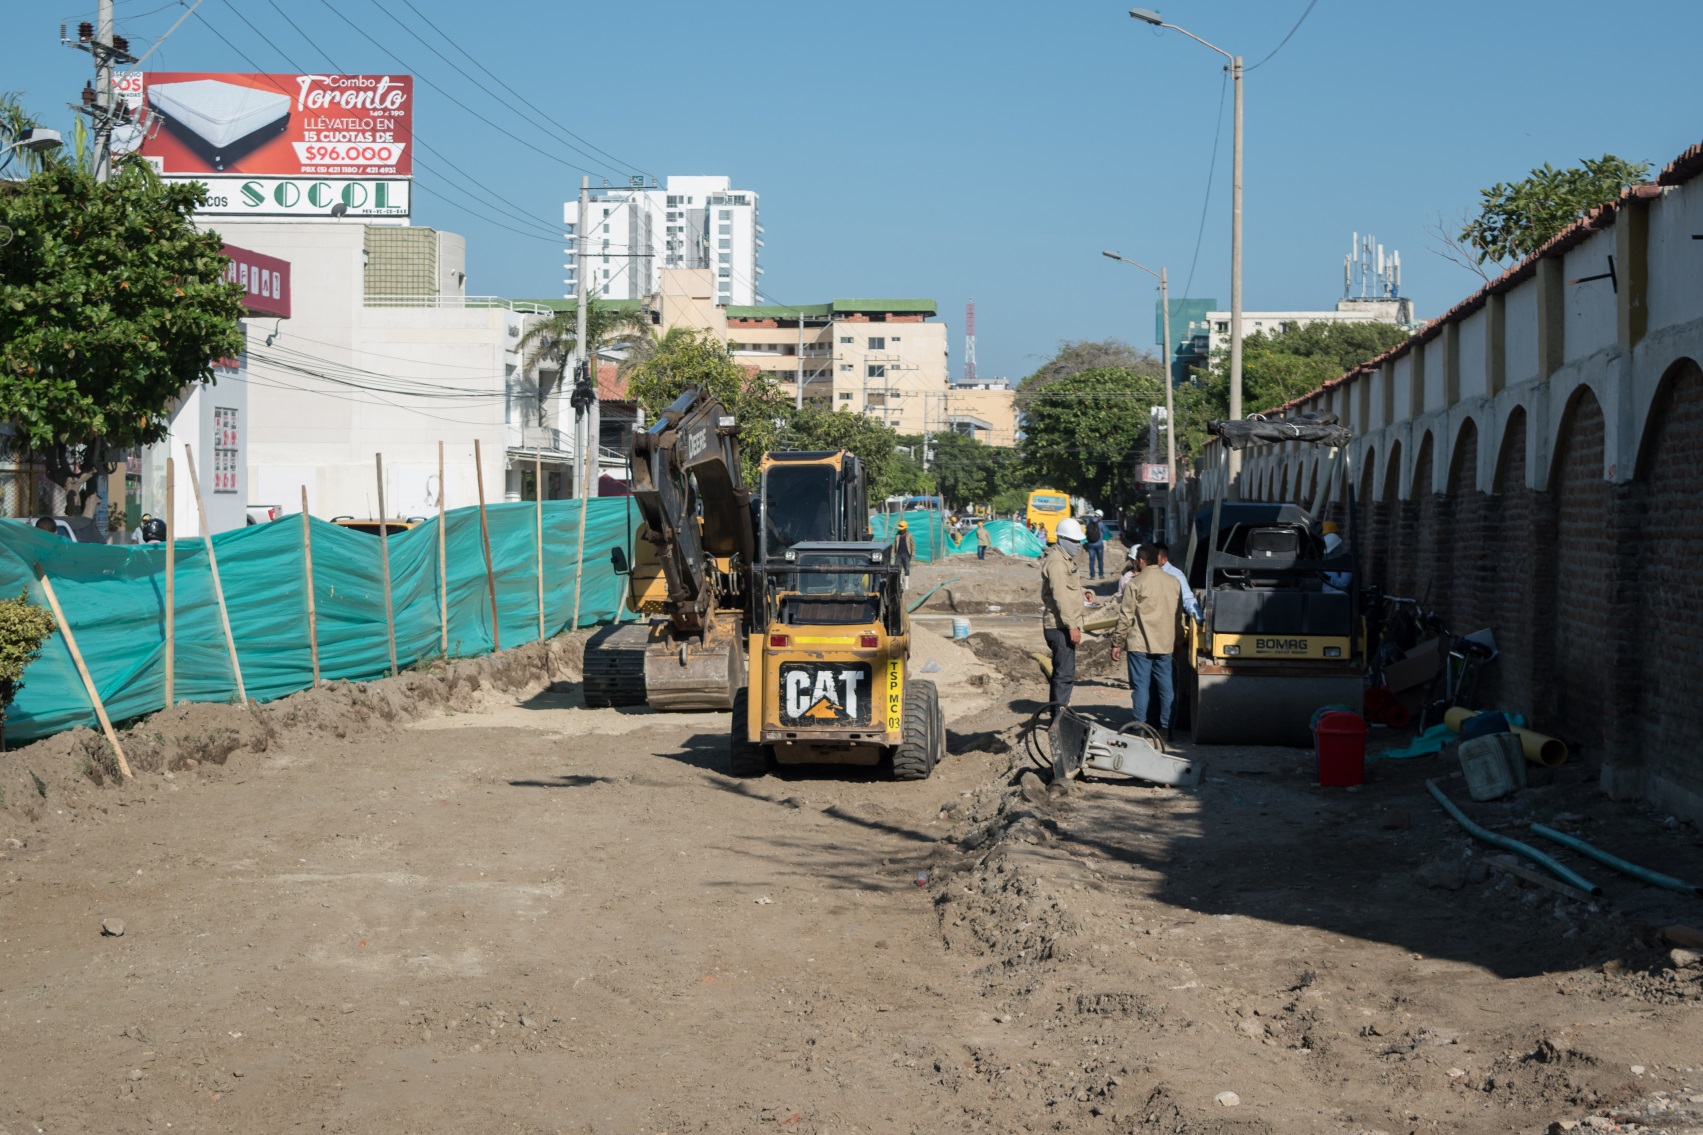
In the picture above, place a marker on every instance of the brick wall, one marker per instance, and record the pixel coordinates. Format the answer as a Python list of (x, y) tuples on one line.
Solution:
[(1668, 699), (1581, 642)]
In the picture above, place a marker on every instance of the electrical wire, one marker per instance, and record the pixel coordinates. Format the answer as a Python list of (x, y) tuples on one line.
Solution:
[(1285, 39), (1211, 171), (451, 41)]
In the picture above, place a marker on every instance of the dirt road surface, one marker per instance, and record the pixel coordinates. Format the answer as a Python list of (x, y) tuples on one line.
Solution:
[(464, 903)]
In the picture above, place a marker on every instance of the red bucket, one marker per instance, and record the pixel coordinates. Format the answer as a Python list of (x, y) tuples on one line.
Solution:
[(1339, 741)]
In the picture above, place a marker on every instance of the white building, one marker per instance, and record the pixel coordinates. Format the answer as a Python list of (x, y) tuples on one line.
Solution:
[(385, 353), (1217, 326), (692, 222)]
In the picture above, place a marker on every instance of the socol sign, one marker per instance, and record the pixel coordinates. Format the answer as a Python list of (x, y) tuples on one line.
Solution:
[(303, 196)]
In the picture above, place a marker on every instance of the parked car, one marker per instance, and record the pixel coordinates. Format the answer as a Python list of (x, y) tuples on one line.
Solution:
[(370, 527), (79, 529), (263, 513)]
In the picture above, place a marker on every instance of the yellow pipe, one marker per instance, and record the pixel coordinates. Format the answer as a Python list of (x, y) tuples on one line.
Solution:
[(1540, 748)]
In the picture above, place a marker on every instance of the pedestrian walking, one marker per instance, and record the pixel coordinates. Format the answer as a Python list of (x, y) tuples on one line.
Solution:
[(984, 541), (1191, 605), (905, 547), (1061, 608), (1147, 633), (1094, 539)]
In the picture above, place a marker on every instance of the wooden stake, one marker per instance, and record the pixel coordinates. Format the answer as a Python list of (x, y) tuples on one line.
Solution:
[(88, 682), (384, 558), (312, 610), (443, 570), (579, 557), (171, 582), (213, 565), (485, 538), (538, 494)]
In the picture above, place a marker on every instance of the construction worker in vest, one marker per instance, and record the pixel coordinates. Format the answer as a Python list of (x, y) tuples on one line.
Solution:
[(1061, 608), (984, 540), (905, 547)]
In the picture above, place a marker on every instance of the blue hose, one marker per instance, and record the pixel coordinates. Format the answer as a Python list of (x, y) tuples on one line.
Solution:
[(1619, 864), (1514, 845)]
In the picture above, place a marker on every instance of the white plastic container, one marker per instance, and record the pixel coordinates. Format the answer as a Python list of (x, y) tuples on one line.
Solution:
[(960, 628), (1493, 765)]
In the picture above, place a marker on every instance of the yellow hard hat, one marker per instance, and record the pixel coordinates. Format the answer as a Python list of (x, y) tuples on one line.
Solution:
[(902, 524), (1329, 527)]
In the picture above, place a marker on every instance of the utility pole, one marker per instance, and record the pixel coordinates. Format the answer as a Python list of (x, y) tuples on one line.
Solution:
[(800, 367), (1236, 268), (582, 357), (1170, 410), (104, 110)]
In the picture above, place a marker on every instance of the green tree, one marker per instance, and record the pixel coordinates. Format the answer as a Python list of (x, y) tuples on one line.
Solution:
[(875, 444), (968, 471), (554, 339), (1085, 433), (112, 303), (1515, 219), (1280, 366), (686, 357), (1077, 355), (24, 630)]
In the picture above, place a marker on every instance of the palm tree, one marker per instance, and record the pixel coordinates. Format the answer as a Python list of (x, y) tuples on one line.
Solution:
[(555, 338)]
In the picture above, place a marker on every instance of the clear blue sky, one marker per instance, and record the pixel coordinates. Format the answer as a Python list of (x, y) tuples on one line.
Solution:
[(988, 150)]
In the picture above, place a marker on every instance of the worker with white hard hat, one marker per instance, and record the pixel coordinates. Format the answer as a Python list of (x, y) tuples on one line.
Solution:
[(1062, 608)]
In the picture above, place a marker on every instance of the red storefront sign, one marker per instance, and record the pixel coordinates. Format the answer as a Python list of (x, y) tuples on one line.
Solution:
[(265, 281)]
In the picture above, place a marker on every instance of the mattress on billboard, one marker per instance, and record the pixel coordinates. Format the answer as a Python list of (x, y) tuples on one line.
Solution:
[(222, 122), (288, 126)]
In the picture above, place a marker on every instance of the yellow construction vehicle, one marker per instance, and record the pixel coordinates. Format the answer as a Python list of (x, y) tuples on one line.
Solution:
[(830, 636), (1281, 635), (793, 580)]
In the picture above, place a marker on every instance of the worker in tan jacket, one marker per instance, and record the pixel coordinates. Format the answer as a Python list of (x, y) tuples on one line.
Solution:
[(1147, 632), (1062, 608)]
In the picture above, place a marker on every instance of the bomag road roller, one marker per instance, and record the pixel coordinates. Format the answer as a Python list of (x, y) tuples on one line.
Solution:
[(1281, 634)]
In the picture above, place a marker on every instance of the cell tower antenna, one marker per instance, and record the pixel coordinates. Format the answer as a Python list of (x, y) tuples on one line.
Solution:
[(970, 342)]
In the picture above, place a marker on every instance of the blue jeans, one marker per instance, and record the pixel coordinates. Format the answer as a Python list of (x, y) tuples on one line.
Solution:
[(1096, 560), (1143, 670), (981, 551)]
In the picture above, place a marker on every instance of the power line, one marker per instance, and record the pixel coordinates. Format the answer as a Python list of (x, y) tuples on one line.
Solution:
[(1211, 169), (1286, 38)]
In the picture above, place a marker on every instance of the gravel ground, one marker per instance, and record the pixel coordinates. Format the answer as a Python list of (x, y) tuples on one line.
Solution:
[(460, 901)]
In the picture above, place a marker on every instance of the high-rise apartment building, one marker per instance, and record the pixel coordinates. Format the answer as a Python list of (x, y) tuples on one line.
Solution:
[(635, 232)]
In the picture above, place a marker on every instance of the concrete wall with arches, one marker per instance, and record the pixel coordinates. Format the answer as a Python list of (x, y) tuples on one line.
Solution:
[(1532, 461)]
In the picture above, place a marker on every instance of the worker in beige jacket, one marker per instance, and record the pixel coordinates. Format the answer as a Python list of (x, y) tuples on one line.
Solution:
[(1147, 631), (1062, 608)]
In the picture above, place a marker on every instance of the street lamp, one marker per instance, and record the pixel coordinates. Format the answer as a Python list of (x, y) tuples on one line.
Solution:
[(35, 139), (1154, 19), (1170, 408)]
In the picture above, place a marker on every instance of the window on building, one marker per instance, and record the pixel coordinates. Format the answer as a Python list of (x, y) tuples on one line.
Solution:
[(725, 215), (877, 343), (845, 338), (724, 243), (875, 370), (892, 338), (570, 229), (845, 396), (1223, 325), (724, 272), (724, 258), (724, 230), (606, 214), (673, 200), (876, 400), (845, 366)]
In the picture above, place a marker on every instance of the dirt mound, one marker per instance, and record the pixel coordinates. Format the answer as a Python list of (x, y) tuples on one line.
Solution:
[(73, 768)]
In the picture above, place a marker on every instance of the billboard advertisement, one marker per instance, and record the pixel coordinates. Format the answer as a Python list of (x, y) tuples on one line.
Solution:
[(205, 125), (303, 196)]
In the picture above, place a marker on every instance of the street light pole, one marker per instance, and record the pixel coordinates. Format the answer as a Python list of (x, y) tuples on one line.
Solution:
[(1170, 399), (1236, 70)]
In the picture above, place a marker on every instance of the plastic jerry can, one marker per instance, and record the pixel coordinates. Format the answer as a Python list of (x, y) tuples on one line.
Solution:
[(1494, 765)]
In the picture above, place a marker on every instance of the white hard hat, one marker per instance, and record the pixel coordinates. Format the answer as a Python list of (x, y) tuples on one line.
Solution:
[(1070, 528), (1098, 514)]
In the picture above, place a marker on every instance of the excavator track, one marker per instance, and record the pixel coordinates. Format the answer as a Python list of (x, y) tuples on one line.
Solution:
[(614, 666)]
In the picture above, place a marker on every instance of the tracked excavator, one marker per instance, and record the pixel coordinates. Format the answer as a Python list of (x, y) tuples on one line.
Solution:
[(781, 609)]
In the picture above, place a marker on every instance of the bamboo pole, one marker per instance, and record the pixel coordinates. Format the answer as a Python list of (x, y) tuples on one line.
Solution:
[(384, 558), (83, 669), (213, 565), (443, 569), (171, 581), (538, 501), (312, 611), (584, 504), (485, 539)]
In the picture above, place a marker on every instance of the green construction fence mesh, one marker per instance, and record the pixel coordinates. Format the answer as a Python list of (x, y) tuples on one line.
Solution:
[(114, 599)]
